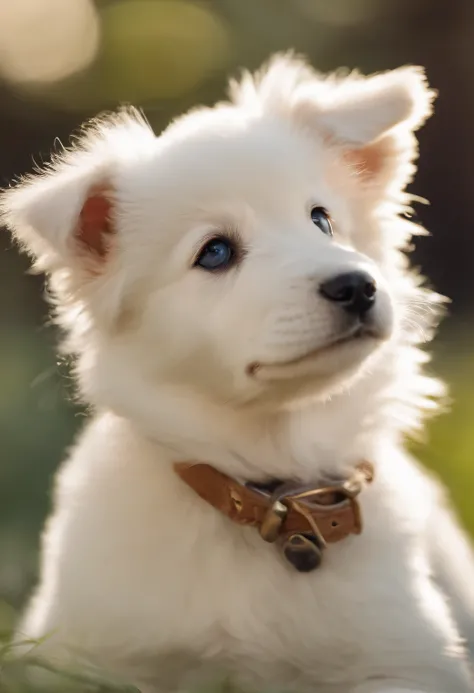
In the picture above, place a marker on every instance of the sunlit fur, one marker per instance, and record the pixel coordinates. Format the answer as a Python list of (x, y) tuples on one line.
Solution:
[(138, 575)]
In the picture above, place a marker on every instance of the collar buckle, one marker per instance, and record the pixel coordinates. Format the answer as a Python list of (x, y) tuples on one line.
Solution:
[(304, 549), (273, 521)]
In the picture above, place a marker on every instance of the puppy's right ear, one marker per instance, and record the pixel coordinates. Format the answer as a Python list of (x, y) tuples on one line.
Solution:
[(68, 218), (65, 216)]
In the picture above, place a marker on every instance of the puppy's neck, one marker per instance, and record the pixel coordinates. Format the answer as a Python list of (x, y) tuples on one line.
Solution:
[(304, 442)]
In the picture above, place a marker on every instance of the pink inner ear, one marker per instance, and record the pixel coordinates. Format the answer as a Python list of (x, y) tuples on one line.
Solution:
[(369, 160), (95, 225)]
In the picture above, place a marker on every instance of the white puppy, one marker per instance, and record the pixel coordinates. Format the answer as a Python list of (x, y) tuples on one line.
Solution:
[(236, 295)]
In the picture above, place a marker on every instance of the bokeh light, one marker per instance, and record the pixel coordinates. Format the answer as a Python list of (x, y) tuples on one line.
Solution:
[(159, 49), (126, 51), (44, 41)]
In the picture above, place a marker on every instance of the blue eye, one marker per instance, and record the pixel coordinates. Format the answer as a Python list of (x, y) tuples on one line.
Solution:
[(217, 254), (322, 220)]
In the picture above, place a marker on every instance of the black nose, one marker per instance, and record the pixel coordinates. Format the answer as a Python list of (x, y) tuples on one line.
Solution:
[(354, 291)]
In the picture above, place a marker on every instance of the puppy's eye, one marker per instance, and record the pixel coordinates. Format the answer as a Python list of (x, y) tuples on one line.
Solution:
[(321, 218), (217, 254)]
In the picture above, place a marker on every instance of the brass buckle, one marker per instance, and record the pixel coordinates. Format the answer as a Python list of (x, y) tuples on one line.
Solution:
[(349, 489), (304, 550), (273, 521), (275, 516)]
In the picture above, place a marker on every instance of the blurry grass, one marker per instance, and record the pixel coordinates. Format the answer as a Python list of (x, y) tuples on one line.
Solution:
[(448, 448), (25, 673), (28, 674)]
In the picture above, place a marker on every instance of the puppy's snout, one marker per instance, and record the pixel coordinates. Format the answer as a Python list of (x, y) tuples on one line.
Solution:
[(353, 291)]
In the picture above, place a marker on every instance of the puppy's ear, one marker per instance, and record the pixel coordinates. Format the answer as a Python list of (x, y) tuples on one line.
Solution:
[(358, 111), (67, 218), (370, 119), (373, 119), (64, 217)]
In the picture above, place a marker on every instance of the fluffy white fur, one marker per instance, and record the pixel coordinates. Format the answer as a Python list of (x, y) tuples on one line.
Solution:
[(140, 576)]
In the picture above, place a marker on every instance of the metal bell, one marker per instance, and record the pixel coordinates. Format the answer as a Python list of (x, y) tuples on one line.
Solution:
[(303, 552)]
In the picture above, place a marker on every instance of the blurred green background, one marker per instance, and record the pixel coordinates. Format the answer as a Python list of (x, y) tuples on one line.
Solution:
[(63, 61)]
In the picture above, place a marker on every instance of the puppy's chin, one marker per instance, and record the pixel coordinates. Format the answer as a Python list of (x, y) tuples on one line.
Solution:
[(320, 373)]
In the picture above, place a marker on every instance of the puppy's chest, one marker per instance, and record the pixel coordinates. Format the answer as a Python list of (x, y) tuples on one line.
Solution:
[(256, 624), (194, 597), (237, 607), (216, 598)]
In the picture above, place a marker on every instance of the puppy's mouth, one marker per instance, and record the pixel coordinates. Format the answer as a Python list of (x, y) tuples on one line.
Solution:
[(360, 333)]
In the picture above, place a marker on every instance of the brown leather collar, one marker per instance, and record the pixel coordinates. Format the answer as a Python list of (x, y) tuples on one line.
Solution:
[(303, 519)]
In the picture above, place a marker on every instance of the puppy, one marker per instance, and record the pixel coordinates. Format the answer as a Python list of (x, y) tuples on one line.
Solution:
[(246, 330)]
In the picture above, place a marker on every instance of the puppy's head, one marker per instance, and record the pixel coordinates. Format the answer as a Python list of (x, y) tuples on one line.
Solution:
[(249, 253)]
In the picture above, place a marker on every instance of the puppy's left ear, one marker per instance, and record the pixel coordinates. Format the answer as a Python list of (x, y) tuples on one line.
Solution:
[(373, 119)]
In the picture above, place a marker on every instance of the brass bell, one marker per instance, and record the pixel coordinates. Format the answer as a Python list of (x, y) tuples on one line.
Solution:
[(303, 552)]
